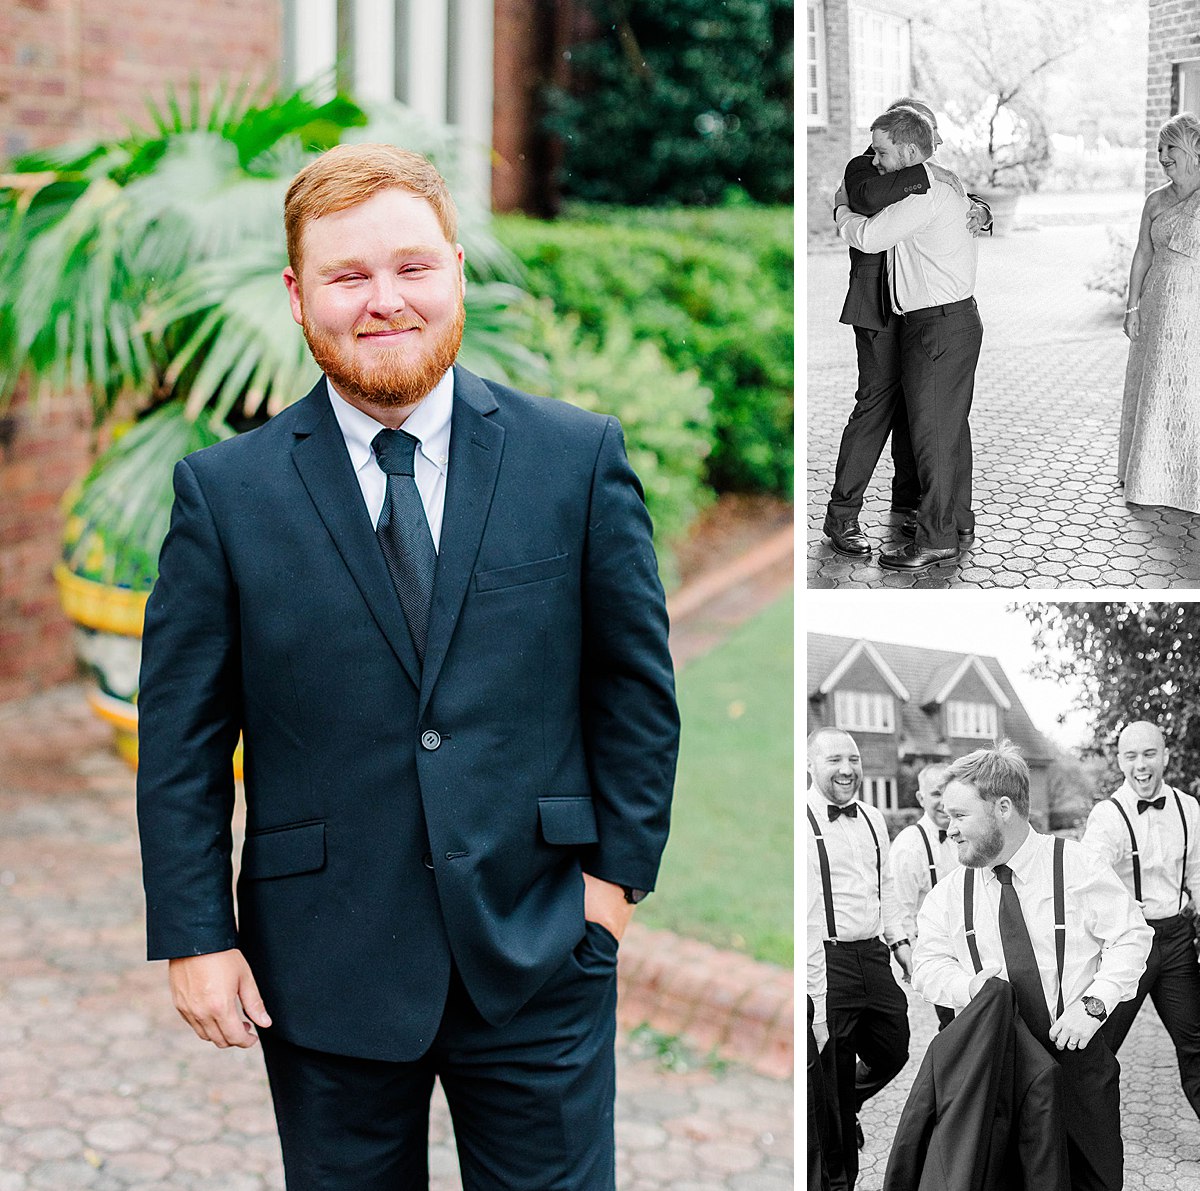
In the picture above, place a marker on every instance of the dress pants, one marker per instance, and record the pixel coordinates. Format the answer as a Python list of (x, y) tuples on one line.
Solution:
[(868, 1018), (939, 349), (878, 411), (531, 1101), (818, 1114), (1092, 1115), (1172, 979)]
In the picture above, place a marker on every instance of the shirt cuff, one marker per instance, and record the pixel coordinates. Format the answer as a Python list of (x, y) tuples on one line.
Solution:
[(819, 1010), (1107, 992)]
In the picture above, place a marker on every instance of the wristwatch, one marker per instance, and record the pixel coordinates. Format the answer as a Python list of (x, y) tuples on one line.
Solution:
[(1094, 1007), (633, 896)]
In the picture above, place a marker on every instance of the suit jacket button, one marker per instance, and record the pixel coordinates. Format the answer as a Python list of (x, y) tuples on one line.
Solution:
[(431, 740), (427, 860)]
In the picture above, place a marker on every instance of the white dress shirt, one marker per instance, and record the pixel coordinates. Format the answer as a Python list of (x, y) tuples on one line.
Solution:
[(429, 422), (1107, 938), (855, 877), (1159, 834), (816, 983), (932, 257), (910, 867)]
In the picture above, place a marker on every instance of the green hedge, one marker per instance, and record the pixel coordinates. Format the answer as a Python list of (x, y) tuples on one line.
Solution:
[(711, 288)]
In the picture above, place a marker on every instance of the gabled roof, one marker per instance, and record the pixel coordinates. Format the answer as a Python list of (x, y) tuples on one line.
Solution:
[(859, 648), (946, 678), (924, 670)]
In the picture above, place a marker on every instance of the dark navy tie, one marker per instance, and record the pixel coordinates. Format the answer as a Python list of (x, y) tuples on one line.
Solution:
[(1019, 959), (403, 532)]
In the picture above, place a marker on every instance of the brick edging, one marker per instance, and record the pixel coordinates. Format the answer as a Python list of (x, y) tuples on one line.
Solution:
[(693, 596), (719, 1001)]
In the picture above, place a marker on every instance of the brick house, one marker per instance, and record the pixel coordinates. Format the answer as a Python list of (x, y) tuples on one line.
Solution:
[(71, 70), (1173, 71), (859, 59), (907, 707)]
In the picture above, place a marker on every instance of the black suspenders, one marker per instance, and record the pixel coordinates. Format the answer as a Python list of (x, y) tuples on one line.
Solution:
[(929, 856), (826, 881), (1133, 849), (1060, 916)]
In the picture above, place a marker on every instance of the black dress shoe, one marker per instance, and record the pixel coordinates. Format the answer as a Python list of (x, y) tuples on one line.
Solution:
[(914, 558), (966, 537), (846, 537), (905, 510)]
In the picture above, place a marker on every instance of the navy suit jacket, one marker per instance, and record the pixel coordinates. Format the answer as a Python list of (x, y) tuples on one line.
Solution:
[(399, 815)]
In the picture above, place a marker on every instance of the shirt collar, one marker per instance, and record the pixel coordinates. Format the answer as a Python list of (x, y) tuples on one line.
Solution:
[(1132, 797), (429, 423), (1025, 859)]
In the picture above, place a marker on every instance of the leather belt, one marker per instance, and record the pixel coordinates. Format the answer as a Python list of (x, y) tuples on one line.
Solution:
[(916, 316)]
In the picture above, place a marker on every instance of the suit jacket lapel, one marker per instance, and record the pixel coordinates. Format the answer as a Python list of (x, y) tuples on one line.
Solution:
[(476, 446), (324, 464)]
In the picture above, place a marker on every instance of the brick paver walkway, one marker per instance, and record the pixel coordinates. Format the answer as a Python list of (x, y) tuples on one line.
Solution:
[(1162, 1135), (103, 1087), (1044, 425)]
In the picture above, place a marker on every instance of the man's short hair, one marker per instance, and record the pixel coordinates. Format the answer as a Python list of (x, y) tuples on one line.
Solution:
[(932, 778), (347, 175), (907, 101), (995, 773), (1182, 132), (906, 126), (827, 730)]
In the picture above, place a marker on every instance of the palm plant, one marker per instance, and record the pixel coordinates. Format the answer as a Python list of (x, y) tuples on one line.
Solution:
[(145, 271)]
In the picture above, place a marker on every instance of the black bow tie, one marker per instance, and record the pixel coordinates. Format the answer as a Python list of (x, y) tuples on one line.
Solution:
[(851, 809), (1158, 803), (941, 836)]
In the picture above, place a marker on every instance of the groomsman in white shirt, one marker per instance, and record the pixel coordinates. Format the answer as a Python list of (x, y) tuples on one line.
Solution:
[(1019, 886), (922, 855), (1150, 834), (863, 927), (931, 264)]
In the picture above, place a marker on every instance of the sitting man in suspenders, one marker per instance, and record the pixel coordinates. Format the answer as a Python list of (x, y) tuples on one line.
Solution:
[(922, 854), (867, 1010), (1043, 915), (1150, 834)]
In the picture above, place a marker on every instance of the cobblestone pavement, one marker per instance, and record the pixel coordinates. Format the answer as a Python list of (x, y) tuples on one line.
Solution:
[(1162, 1135), (1044, 425), (103, 1087)]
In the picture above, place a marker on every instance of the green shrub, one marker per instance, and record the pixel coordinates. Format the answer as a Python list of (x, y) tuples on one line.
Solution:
[(664, 413), (712, 289), (690, 97)]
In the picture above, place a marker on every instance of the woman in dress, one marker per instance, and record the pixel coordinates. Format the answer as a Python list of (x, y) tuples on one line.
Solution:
[(1159, 456)]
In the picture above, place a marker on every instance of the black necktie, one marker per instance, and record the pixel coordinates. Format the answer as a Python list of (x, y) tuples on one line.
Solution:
[(403, 532), (1022, 965), (850, 810), (1157, 803)]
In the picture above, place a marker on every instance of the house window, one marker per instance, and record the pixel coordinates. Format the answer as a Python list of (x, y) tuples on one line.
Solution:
[(818, 94), (1187, 87), (971, 719), (882, 62), (861, 711), (880, 792)]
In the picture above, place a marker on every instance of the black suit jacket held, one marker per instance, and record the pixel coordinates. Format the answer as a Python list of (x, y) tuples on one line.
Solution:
[(395, 817)]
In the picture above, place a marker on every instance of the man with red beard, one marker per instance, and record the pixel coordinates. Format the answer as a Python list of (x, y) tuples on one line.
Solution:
[(429, 604)]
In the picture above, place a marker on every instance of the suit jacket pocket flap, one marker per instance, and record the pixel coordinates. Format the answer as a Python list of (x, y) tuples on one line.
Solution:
[(568, 820), (284, 851), (525, 572)]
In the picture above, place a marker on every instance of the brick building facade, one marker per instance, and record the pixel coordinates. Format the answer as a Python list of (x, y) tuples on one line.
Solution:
[(70, 70), (1173, 71)]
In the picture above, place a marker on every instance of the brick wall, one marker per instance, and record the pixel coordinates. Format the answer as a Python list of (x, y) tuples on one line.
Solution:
[(72, 69), (1174, 37), (831, 146)]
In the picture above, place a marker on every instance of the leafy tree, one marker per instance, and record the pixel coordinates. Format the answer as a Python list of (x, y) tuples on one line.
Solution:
[(1131, 662), (679, 101)]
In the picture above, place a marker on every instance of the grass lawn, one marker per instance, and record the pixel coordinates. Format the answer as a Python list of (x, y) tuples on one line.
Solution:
[(727, 873)]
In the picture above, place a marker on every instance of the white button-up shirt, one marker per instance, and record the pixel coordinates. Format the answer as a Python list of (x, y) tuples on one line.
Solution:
[(855, 874), (910, 867), (1107, 939), (1159, 835), (429, 422), (932, 258)]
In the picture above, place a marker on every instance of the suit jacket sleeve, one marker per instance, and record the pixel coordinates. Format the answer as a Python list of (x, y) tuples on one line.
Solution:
[(627, 692), (869, 192), (189, 710)]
